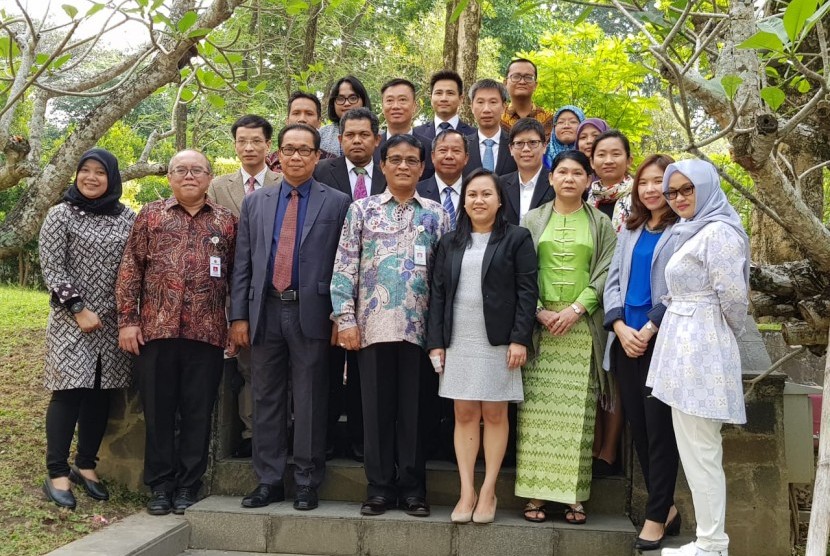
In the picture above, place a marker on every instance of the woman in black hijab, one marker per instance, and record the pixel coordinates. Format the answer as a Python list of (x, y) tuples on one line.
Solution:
[(81, 243)]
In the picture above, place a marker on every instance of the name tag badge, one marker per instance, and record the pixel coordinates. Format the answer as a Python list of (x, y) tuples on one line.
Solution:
[(420, 255), (215, 267)]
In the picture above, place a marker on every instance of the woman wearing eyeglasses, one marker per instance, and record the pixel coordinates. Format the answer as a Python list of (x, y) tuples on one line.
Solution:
[(696, 366), (347, 93), (566, 121)]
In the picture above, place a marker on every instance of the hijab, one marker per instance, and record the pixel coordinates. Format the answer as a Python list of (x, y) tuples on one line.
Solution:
[(598, 123), (555, 146), (711, 204), (108, 203)]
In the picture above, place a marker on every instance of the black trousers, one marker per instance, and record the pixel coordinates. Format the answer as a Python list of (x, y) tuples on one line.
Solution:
[(390, 382), (651, 428), (88, 408), (177, 377), (344, 398)]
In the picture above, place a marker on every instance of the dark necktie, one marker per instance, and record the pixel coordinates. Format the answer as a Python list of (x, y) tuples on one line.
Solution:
[(284, 259), (444, 126), (448, 206)]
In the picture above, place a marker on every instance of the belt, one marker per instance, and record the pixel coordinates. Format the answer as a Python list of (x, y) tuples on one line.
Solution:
[(287, 295)]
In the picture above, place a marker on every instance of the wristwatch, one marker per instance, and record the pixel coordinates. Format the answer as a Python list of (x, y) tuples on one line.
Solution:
[(576, 309), (77, 307)]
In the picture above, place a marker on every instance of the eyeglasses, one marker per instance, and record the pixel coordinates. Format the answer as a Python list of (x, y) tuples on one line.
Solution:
[(255, 143), (687, 191), (303, 151), (412, 162), (517, 77), (351, 99), (181, 171), (520, 145)]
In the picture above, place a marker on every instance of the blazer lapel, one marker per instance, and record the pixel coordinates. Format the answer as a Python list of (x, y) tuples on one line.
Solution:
[(237, 190), (340, 173), (504, 152), (514, 196), (269, 215), (489, 251), (539, 189), (628, 254), (457, 256), (315, 203)]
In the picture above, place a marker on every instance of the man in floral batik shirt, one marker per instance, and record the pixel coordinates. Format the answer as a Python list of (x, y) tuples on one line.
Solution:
[(380, 296)]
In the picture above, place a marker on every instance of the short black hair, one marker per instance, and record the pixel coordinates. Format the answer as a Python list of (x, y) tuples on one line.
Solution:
[(575, 155), (518, 60), (482, 84), (253, 121), (359, 90), (398, 81), (360, 114), (313, 98), (612, 134), (527, 124), (304, 127), (447, 75), (396, 140), (445, 134)]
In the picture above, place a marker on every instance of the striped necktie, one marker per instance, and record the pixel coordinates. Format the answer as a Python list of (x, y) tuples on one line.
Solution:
[(448, 206)]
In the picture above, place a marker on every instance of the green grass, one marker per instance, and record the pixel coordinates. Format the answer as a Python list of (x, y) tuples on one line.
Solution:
[(29, 523), (769, 327)]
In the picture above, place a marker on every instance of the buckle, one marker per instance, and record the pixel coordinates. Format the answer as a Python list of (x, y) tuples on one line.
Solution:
[(289, 295)]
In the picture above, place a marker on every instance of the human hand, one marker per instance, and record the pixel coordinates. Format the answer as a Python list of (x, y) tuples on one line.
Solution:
[(349, 338), (239, 335), (87, 320), (516, 355), (564, 321), (631, 340), (130, 338)]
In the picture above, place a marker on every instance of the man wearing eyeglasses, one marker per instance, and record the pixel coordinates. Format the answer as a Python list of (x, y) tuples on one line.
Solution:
[(380, 295), (528, 187), (252, 141), (170, 296), (280, 306), (521, 82)]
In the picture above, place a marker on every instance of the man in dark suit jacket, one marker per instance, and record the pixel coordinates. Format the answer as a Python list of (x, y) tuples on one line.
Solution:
[(280, 304), (445, 90), (528, 187), (398, 104), (488, 97), (449, 156)]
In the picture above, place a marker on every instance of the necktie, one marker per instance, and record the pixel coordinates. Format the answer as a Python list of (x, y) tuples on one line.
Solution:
[(489, 161), (250, 185), (444, 126), (284, 259), (360, 185), (448, 206)]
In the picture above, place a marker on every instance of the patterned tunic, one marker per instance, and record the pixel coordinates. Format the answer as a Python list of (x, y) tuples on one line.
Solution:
[(80, 253), (378, 284), (696, 366), (166, 272), (509, 118)]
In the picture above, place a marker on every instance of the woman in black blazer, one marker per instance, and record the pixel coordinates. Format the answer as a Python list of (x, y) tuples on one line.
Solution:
[(481, 318)]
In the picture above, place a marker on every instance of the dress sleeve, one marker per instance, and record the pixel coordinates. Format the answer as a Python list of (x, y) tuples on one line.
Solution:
[(724, 259), (344, 280), (131, 273), (52, 246)]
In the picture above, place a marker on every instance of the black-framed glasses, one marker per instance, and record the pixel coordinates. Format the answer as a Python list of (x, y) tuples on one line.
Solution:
[(410, 161), (526, 77), (343, 99), (687, 191), (181, 171), (302, 151), (522, 144)]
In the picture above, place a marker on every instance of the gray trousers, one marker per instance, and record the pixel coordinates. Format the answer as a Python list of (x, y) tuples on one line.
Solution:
[(281, 349)]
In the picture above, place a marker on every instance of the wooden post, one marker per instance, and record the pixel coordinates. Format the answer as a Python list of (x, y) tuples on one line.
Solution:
[(820, 512)]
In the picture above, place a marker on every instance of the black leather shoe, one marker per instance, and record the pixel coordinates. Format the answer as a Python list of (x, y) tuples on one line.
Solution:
[(376, 505), (673, 527), (93, 489), (414, 506), (244, 449), (61, 498), (184, 498), (356, 452), (263, 495), (160, 502), (306, 498), (642, 544)]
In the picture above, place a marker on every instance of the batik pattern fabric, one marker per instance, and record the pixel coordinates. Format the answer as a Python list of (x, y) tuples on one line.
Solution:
[(509, 118), (80, 253), (378, 284), (619, 194)]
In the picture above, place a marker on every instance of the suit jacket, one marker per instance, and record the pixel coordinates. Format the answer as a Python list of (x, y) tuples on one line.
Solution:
[(429, 169), (542, 193), (320, 235), (428, 189), (508, 285), (229, 191), (504, 161), (334, 173), (428, 129)]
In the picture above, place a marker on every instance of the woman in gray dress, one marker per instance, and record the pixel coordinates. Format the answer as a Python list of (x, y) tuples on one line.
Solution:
[(481, 316), (81, 243)]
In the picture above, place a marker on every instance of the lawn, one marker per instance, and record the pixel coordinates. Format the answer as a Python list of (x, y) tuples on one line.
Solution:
[(29, 523)]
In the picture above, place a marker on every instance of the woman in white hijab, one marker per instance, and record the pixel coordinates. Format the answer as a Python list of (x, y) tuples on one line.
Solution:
[(696, 367)]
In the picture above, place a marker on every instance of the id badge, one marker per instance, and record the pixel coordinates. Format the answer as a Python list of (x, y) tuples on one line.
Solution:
[(215, 267), (420, 255)]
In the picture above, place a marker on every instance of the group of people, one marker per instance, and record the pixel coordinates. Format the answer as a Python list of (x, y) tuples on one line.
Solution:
[(515, 262)]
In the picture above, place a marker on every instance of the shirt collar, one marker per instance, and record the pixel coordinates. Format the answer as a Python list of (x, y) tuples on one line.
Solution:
[(171, 202), (303, 189), (532, 181), (513, 114), (455, 186), (496, 137), (452, 121), (387, 196), (259, 176), (351, 166)]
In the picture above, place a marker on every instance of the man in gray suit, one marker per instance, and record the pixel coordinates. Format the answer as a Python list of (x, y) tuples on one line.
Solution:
[(252, 141), (280, 305)]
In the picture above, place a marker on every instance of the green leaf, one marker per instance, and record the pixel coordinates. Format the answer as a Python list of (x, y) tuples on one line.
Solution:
[(775, 26), (61, 60), (295, 7), (70, 10), (730, 85), (156, 5), (261, 86), (773, 96), (217, 101), (159, 18), (803, 87), (243, 87), (456, 13), (584, 15), (41, 58), (4, 46), (187, 95), (796, 15), (771, 72), (201, 32), (763, 40), (142, 3), (811, 21), (97, 7), (187, 21)]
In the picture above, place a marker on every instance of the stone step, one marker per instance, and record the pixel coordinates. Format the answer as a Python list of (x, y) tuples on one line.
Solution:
[(668, 542), (139, 534), (337, 528), (197, 552), (346, 482)]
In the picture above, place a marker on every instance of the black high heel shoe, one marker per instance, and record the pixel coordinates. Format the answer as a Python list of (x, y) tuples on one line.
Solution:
[(93, 489), (672, 528)]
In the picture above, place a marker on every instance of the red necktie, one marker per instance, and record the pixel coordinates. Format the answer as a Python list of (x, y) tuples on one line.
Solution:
[(284, 259), (250, 185)]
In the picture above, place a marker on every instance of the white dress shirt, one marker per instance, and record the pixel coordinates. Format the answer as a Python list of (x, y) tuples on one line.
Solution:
[(526, 192), (481, 147), (350, 166), (452, 121), (455, 188), (260, 177)]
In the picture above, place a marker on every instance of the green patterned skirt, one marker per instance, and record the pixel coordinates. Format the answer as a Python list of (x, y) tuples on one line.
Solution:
[(556, 420)]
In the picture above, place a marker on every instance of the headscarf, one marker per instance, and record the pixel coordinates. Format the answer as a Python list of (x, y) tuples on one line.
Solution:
[(108, 203), (555, 146), (711, 204), (598, 123)]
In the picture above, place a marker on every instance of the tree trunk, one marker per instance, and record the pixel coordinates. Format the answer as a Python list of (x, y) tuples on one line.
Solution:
[(311, 34), (799, 333), (180, 117), (451, 37), (765, 305), (461, 46), (820, 513)]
